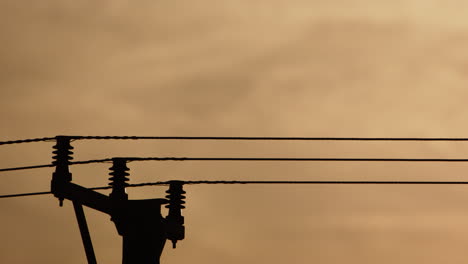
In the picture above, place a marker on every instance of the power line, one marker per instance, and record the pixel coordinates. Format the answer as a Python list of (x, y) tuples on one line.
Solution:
[(295, 159), (237, 138), (27, 167), (159, 183), (90, 161), (53, 165), (23, 194), (272, 138), (43, 193), (244, 159), (26, 140), (317, 182)]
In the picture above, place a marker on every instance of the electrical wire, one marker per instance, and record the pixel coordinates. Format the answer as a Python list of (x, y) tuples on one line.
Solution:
[(53, 165), (23, 194), (237, 138), (245, 159), (271, 138), (27, 140), (304, 182), (43, 193), (295, 159), (159, 183), (130, 159), (27, 167)]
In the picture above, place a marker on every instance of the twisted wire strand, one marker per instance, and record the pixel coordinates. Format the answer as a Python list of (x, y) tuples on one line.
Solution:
[(269, 138), (306, 182), (44, 139), (27, 140), (27, 167), (159, 183), (53, 165), (43, 193), (130, 159)]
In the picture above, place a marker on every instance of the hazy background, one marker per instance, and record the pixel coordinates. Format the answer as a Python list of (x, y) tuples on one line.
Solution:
[(241, 68)]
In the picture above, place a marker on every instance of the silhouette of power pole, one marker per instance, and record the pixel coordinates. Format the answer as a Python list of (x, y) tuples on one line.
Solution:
[(139, 222)]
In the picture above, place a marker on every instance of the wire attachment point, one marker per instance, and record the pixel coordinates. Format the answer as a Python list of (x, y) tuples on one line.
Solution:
[(119, 178), (175, 220), (61, 159)]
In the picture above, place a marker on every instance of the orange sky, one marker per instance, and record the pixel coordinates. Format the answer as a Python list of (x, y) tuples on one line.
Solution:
[(241, 68)]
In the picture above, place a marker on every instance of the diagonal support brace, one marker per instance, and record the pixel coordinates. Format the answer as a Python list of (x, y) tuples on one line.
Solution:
[(85, 236)]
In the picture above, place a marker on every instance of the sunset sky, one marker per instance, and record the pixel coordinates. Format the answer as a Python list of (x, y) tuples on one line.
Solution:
[(294, 68)]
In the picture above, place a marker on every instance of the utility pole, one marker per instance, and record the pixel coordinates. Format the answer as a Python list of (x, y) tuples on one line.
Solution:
[(139, 222)]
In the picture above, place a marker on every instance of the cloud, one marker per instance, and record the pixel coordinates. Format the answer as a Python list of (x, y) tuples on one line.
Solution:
[(262, 68)]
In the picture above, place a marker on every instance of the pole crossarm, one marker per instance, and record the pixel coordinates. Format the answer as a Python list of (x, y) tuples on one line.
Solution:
[(86, 197)]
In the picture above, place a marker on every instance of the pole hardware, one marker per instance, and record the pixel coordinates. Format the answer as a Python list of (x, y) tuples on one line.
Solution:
[(143, 229), (175, 220), (61, 159), (119, 179)]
